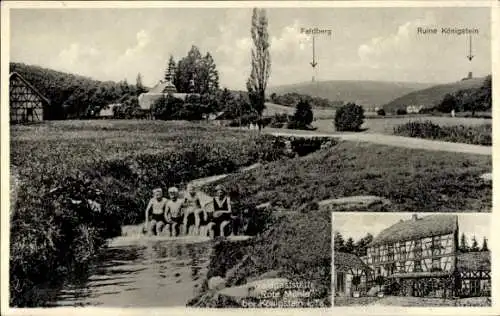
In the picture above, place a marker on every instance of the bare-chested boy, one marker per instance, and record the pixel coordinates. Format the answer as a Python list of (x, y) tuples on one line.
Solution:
[(192, 212), (174, 209), (156, 212)]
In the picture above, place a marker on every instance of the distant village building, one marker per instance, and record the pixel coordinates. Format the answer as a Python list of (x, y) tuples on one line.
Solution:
[(162, 89), (414, 109), (420, 257), (108, 110), (26, 103)]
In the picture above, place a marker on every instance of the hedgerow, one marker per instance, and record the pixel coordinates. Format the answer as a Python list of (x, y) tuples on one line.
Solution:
[(478, 135)]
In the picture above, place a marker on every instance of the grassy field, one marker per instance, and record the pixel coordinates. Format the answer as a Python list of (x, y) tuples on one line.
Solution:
[(385, 125), (413, 180)]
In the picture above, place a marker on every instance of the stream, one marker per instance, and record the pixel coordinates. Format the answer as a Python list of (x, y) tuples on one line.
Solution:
[(149, 273)]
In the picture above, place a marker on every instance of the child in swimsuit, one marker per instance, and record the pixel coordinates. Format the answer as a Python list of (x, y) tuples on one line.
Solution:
[(174, 208), (192, 210), (156, 212)]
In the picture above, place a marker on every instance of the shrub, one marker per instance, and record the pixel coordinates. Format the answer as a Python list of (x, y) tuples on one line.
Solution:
[(381, 112), (303, 115), (401, 112), (349, 117)]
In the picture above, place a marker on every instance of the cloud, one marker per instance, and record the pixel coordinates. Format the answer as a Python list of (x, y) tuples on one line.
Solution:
[(77, 53), (392, 49), (143, 39)]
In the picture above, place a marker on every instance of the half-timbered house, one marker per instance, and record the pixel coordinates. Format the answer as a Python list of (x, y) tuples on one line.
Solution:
[(26, 103), (420, 257), (347, 267)]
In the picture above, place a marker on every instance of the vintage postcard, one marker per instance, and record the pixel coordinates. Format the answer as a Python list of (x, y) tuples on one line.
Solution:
[(321, 157)]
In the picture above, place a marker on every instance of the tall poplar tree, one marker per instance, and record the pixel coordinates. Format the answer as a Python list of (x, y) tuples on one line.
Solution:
[(261, 61)]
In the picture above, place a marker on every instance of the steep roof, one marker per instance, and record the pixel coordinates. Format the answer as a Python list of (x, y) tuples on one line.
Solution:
[(427, 226), (163, 87), (344, 261), (474, 261), (29, 85), (146, 100)]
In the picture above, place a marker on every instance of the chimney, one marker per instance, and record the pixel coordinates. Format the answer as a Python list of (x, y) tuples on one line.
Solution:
[(414, 217)]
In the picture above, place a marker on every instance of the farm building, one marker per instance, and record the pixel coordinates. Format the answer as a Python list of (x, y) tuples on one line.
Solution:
[(162, 89), (108, 110), (347, 268), (420, 257), (26, 103)]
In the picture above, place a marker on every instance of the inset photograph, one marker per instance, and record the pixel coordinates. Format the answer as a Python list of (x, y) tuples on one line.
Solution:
[(411, 259)]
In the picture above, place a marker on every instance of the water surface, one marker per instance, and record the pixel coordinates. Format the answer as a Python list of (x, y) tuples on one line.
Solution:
[(161, 273)]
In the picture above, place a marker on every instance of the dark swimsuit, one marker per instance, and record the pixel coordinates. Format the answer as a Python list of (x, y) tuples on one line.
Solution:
[(223, 217), (158, 217)]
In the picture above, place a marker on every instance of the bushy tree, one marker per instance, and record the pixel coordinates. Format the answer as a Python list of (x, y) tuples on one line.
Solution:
[(349, 117), (167, 107), (449, 103), (261, 61), (338, 242), (381, 112), (349, 245), (303, 115)]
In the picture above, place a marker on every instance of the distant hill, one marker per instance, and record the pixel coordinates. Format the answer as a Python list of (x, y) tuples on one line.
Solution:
[(431, 96), (366, 93)]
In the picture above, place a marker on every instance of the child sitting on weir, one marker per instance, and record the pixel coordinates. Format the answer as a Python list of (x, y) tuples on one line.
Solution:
[(192, 212), (156, 213), (174, 209)]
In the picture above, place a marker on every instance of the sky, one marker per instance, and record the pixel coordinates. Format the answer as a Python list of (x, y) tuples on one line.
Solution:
[(357, 225), (365, 43)]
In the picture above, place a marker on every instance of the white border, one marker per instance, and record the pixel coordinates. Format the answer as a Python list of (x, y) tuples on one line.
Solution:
[(4, 164)]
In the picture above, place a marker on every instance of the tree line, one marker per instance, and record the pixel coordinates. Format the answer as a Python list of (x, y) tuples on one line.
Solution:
[(358, 248), (468, 100), (292, 98)]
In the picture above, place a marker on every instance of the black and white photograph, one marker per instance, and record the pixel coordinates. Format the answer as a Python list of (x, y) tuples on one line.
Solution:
[(412, 260), (194, 155)]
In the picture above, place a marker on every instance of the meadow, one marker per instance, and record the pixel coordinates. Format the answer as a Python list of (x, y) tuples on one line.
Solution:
[(413, 180)]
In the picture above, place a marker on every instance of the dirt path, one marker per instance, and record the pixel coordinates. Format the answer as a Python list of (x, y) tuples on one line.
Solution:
[(390, 140)]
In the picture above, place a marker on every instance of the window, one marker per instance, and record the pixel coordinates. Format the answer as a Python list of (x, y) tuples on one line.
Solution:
[(436, 246), (378, 271), (417, 266), (402, 251), (376, 254), (417, 252), (390, 253), (436, 264), (401, 267)]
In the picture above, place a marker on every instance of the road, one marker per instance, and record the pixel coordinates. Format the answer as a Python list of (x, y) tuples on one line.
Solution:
[(389, 140)]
